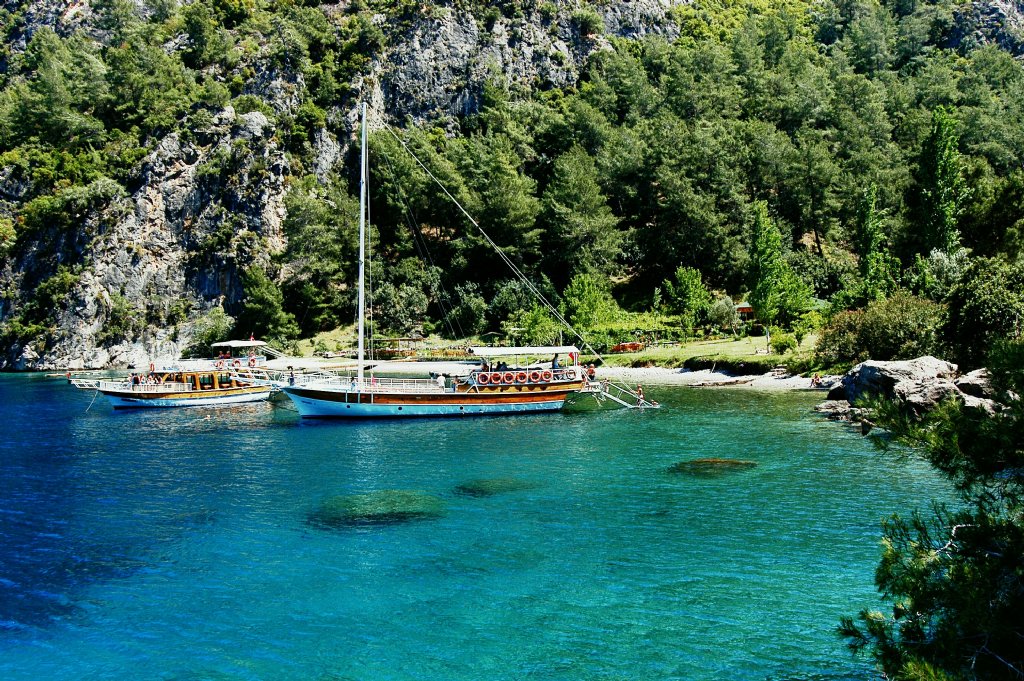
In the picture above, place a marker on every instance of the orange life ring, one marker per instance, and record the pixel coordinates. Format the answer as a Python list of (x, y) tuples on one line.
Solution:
[(546, 376), (220, 364), (534, 376), (521, 377), (483, 379), (236, 363), (252, 361), (509, 377), (570, 374)]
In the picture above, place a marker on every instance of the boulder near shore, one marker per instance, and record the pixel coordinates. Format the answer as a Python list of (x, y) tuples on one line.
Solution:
[(919, 384)]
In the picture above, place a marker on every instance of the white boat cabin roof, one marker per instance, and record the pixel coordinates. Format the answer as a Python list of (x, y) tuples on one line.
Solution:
[(238, 344), (526, 350)]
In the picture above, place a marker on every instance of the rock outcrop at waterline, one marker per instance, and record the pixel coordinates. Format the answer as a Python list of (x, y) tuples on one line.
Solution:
[(917, 384)]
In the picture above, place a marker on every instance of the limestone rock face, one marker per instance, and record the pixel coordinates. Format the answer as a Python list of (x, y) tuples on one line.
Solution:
[(992, 22), (442, 67), (161, 251)]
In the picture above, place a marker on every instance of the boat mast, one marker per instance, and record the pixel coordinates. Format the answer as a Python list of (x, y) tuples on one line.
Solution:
[(362, 248)]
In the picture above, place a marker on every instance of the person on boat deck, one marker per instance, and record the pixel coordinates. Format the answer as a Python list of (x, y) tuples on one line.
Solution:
[(591, 371), (440, 381), (502, 366), (554, 362)]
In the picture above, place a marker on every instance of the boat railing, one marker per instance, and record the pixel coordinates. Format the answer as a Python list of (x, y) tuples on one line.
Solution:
[(372, 384), (219, 364), (570, 373), (127, 386)]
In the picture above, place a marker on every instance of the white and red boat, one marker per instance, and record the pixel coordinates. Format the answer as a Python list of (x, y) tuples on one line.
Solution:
[(523, 387)]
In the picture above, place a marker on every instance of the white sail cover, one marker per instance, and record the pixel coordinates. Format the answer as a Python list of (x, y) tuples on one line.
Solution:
[(525, 350), (239, 344)]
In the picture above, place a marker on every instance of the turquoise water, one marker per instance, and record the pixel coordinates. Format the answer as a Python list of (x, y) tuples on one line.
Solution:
[(170, 545)]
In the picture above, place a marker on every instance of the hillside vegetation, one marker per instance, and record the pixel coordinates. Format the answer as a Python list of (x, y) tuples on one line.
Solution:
[(855, 165)]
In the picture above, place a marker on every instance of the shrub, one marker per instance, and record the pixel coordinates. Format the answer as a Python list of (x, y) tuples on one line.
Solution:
[(588, 22), (838, 343), (8, 236), (213, 326), (782, 343), (124, 321), (903, 326)]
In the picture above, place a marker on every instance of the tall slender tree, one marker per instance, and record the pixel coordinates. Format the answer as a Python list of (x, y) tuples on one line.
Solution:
[(944, 190), (767, 266)]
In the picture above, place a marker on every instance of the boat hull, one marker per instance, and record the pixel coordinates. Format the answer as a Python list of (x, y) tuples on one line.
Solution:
[(128, 400), (317, 403)]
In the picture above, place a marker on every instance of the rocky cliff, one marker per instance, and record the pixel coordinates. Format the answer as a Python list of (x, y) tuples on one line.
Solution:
[(141, 259)]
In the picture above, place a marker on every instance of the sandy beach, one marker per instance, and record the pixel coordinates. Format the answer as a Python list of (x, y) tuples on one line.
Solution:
[(628, 375)]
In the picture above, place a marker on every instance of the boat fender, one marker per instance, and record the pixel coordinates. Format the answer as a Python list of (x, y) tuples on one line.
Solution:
[(509, 377), (252, 361), (534, 376), (152, 367), (546, 376), (521, 377), (483, 379)]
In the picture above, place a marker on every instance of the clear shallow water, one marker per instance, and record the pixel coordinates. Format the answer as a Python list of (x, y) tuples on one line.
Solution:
[(169, 545)]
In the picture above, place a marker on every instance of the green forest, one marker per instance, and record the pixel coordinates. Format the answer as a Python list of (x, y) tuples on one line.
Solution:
[(843, 168)]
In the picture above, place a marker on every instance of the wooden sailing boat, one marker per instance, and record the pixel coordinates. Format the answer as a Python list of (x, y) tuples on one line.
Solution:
[(524, 387), (191, 383)]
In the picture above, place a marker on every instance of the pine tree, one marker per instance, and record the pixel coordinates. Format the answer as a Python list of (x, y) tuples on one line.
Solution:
[(954, 577), (580, 225), (688, 297)]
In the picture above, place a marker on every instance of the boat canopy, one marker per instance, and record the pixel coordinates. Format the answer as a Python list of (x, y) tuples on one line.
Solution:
[(527, 350), (239, 344)]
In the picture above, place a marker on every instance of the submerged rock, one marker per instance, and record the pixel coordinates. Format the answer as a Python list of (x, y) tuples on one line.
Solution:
[(377, 508), (711, 467), (488, 487)]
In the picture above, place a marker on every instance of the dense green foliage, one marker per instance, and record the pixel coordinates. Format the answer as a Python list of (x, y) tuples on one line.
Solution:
[(903, 326), (783, 154), (955, 576)]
